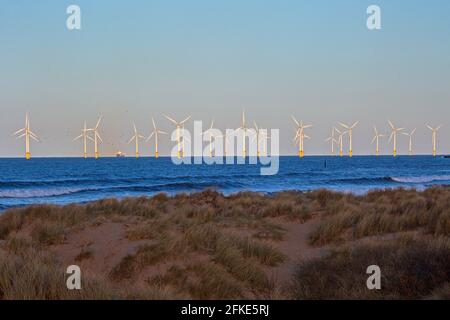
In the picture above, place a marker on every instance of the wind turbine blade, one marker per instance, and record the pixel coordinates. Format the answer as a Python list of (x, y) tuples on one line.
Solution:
[(22, 135), (400, 129), (355, 124), (414, 131), (391, 124), (98, 122), (132, 138), (256, 126), (171, 120), (154, 124), (33, 134), (18, 131), (437, 129), (307, 126), (34, 138), (151, 136), (376, 130), (79, 137), (392, 135), (90, 138), (182, 122), (98, 136), (134, 127), (374, 138), (430, 127), (296, 122), (344, 125), (338, 131), (162, 132), (328, 139)]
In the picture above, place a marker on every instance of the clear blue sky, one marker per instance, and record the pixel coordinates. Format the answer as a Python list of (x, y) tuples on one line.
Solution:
[(212, 58)]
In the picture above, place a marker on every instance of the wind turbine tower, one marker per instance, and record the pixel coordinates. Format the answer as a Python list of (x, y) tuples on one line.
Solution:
[(434, 138)]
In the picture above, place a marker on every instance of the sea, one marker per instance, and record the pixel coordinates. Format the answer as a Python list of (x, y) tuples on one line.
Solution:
[(74, 180)]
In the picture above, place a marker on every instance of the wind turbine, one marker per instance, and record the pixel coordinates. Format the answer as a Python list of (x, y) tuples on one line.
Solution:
[(84, 136), (244, 128), (350, 135), (376, 138), (225, 141), (394, 133), (136, 138), (332, 140), (341, 141), (97, 137), (300, 136), (410, 135), (179, 126), (434, 137), (27, 133), (261, 135), (211, 136), (155, 133)]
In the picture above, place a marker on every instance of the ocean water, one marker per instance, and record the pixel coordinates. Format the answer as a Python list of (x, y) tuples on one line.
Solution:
[(73, 180)]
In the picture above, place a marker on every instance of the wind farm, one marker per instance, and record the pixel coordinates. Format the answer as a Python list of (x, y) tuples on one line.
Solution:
[(260, 138)]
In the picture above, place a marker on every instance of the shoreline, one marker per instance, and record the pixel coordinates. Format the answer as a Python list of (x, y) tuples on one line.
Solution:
[(228, 194)]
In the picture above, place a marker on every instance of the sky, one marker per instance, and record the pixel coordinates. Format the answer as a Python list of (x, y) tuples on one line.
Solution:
[(136, 59)]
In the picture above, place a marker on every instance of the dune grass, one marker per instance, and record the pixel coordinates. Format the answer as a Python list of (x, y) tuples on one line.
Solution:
[(210, 246)]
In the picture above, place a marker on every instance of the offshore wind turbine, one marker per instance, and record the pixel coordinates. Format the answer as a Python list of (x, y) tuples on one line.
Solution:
[(97, 137), (332, 140), (376, 138), (261, 135), (350, 135), (84, 135), (300, 136), (410, 135), (434, 138), (394, 133), (341, 141), (136, 138), (155, 133), (211, 136), (244, 129), (27, 133), (179, 125)]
